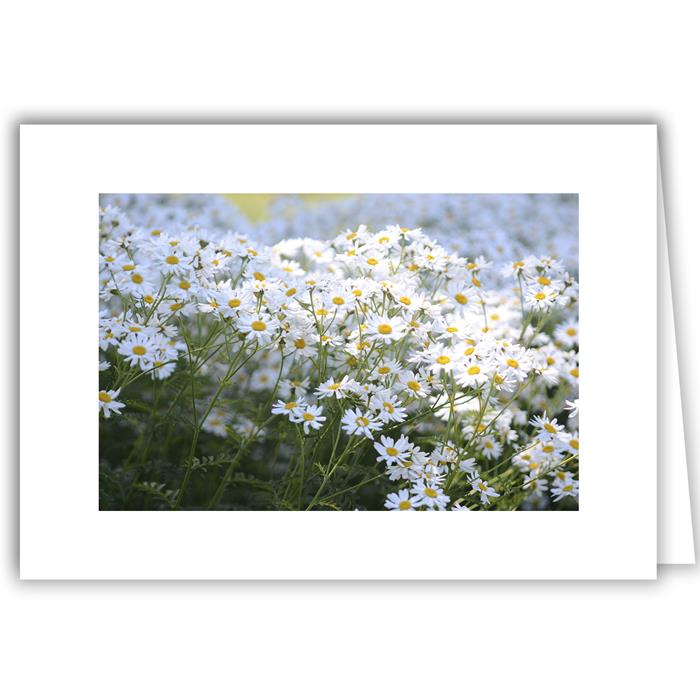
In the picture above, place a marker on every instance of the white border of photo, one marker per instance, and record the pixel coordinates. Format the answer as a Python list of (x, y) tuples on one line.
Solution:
[(63, 533)]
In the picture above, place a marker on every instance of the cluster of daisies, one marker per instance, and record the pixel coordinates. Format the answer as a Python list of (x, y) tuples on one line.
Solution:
[(454, 379)]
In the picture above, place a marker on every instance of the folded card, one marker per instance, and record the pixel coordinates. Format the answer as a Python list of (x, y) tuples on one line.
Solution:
[(379, 384)]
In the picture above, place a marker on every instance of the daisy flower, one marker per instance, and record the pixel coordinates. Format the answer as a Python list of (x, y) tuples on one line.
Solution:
[(401, 501), (138, 349), (385, 369), (490, 448), (414, 384), (109, 403), (562, 489), (386, 329), (472, 373), (260, 326), (310, 416), (339, 390), (540, 299), (357, 422), (485, 491), (391, 451), (442, 358), (389, 407), (546, 429), (285, 408), (430, 495), (567, 334)]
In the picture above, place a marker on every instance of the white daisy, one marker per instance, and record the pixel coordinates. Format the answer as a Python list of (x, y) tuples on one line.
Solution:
[(108, 402)]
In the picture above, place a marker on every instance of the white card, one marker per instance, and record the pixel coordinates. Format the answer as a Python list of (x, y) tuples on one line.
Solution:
[(612, 535)]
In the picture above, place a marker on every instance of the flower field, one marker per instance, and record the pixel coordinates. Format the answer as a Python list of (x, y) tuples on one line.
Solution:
[(370, 352)]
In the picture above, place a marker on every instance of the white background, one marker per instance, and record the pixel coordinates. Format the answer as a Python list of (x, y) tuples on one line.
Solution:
[(505, 61)]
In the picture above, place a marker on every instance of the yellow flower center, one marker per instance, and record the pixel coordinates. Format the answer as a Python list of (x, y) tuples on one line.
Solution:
[(333, 387), (568, 488), (574, 372), (476, 282), (451, 329), (136, 278), (372, 261), (291, 292), (469, 351), (338, 300), (308, 416), (498, 379), (574, 443), (357, 292), (258, 325), (362, 421), (540, 296), (105, 397), (389, 408), (184, 284), (518, 264), (512, 363), (172, 260), (413, 385), (148, 298), (550, 361), (550, 428), (129, 267), (290, 405), (392, 451), (383, 370), (473, 370), (405, 505), (405, 300), (430, 493), (544, 281), (234, 303), (176, 306), (571, 332), (443, 360), (495, 317), (548, 449), (299, 343), (384, 239), (461, 299), (483, 486), (259, 276), (384, 328), (488, 445), (138, 350)]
